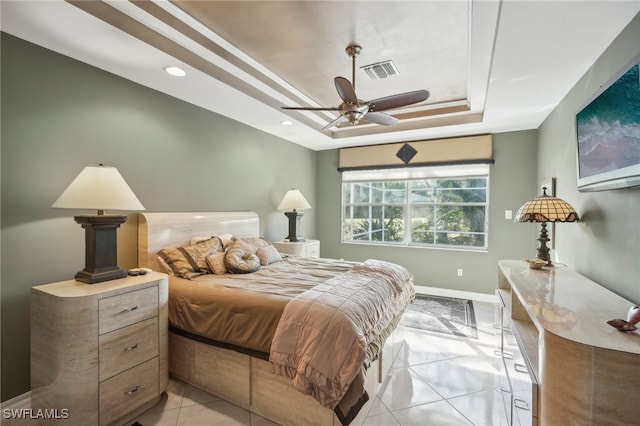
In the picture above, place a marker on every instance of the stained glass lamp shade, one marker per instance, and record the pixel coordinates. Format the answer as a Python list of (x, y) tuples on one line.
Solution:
[(543, 209)]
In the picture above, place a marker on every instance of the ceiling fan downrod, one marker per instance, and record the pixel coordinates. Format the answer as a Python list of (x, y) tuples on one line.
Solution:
[(353, 50)]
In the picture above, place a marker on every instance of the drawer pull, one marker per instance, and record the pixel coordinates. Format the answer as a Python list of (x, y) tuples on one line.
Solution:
[(520, 368), (505, 355), (520, 403), (130, 348), (134, 390), (131, 309)]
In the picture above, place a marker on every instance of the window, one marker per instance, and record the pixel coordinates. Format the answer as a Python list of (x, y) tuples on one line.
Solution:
[(443, 206)]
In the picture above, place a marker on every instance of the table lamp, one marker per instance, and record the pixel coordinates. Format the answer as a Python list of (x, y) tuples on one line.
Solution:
[(99, 188), (295, 201), (543, 209)]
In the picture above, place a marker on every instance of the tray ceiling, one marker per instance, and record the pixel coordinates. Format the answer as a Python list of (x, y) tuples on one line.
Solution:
[(489, 66)]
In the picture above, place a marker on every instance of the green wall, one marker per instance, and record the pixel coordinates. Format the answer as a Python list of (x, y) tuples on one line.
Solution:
[(605, 246), (514, 171), (59, 115)]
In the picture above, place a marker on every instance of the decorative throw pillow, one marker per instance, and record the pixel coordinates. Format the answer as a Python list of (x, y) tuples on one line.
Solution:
[(256, 242), (180, 262), (216, 263), (191, 261), (226, 239), (241, 243), (196, 240), (268, 255), (166, 268), (239, 260), (200, 250)]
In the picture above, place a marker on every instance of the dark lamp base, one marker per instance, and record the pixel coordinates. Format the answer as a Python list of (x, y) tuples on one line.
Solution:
[(101, 248), (294, 226), (543, 250), (90, 277)]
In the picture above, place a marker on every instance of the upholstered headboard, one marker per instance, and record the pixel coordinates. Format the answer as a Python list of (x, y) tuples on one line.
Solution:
[(161, 230)]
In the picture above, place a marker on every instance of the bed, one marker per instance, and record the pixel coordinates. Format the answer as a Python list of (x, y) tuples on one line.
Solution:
[(230, 334)]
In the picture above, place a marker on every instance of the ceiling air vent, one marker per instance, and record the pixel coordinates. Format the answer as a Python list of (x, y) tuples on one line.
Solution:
[(380, 70)]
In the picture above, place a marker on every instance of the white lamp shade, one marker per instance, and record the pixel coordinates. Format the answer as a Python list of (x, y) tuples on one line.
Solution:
[(293, 200), (99, 188)]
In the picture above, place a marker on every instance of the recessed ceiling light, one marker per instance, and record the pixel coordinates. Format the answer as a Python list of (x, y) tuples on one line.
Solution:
[(175, 71), (286, 123)]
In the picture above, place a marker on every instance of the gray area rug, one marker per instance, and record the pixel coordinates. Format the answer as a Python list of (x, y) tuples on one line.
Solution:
[(446, 315)]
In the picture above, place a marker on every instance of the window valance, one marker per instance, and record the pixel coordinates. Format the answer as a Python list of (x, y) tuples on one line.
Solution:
[(464, 150)]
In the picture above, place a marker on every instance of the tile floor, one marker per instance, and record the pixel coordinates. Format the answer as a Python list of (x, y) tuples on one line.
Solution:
[(436, 379)]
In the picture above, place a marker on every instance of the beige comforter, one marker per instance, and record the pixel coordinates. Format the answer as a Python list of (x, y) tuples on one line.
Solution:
[(243, 310), (327, 333)]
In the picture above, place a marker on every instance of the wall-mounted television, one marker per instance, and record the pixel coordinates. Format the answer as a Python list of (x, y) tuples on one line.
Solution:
[(608, 134)]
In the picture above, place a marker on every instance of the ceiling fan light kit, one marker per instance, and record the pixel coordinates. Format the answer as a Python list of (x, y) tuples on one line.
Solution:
[(353, 109)]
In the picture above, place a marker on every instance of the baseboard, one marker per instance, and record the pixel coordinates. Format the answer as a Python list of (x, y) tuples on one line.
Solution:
[(16, 411), (445, 292), (17, 402)]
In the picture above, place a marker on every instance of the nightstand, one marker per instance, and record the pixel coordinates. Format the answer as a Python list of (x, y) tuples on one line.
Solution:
[(307, 248), (99, 351)]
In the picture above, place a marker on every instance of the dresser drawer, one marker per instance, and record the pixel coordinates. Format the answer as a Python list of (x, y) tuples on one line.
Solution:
[(128, 347), (127, 391), (128, 308)]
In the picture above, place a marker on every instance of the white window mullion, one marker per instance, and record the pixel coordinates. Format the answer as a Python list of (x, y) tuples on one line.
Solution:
[(435, 212), (407, 214), (370, 211)]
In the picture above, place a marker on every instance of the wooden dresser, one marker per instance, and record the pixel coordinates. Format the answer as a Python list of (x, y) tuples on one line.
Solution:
[(579, 370), (99, 351), (307, 248)]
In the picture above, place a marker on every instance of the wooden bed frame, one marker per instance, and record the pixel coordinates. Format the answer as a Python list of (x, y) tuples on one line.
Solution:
[(241, 379)]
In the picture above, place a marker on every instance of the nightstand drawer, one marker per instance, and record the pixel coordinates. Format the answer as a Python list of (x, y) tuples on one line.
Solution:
[(127, 391), (128, 347), (128, 308), (313, 250), (307, 248)]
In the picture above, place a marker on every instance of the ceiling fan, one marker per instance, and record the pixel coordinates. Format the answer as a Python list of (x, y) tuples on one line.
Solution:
[(353, 109)]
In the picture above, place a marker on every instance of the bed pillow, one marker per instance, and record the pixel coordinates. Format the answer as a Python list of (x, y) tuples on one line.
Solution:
[(163, 265), (216, 263), (196, 240), (240, 260), (191, 261), (241, 243), (268, 255), (224, 239), (256, 242)]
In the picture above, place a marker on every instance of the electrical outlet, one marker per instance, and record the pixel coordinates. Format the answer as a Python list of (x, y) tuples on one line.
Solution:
[(460, 272), (508, 214)]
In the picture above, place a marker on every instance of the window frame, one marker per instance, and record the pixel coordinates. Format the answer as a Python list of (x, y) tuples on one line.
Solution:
[(410, 176)]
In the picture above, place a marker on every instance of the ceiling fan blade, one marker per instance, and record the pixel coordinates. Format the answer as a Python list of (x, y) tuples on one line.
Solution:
[(380, 118), (335, 122), (313, 108), (346, 91), (399, 100)]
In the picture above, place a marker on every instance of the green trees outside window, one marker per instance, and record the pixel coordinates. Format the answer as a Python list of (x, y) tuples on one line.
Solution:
[(431, 211)]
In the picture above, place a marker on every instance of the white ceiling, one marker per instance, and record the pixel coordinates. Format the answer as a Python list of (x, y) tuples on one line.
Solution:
[(490, 66)]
